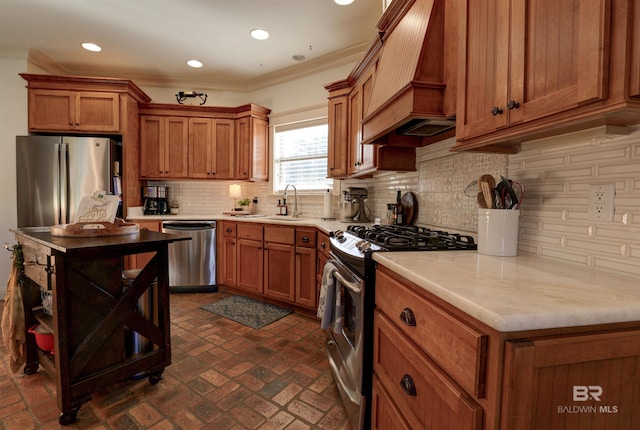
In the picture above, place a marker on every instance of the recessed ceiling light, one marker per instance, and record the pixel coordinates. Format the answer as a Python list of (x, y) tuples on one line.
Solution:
[(91, 47), (343, 2), (194, 63), (259, 34)]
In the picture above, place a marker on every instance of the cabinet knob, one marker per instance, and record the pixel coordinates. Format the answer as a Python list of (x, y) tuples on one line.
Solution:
[(77, 124), (323, 245), (496, 110), (512, 104), (407, 317), (408, 386), (229, 230), (305, 239)]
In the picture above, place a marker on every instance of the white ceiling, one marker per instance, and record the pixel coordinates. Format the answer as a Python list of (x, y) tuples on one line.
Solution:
[(149, 41)]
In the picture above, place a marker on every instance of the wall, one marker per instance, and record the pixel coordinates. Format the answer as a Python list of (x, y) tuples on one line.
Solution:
[(557, 173), (13, 122)]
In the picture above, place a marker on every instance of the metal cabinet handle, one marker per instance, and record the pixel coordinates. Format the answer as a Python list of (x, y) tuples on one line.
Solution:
[(323, 245), (305, 239), (408, 386), (229, 230), (512, 104), (407, 317), (496, 110)]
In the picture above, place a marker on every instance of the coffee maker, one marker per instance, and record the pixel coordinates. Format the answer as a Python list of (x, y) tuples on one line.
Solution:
[(155, 200)]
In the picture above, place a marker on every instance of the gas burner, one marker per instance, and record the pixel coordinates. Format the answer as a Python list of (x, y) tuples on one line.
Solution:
[(409, 238)]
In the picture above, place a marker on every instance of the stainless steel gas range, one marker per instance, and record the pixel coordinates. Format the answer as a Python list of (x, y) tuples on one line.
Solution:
[(351, 273)]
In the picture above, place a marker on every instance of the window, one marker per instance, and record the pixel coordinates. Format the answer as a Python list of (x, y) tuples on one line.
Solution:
[(300, 156)]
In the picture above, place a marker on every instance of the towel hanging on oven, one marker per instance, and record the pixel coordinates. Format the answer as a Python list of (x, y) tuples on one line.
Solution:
[(326, 304)]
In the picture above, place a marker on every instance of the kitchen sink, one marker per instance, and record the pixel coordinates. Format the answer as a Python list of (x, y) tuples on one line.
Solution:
[(284, 218)]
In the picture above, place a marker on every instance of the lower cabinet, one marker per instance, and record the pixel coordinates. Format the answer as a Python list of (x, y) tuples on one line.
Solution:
[(249, 271), (275, 261), (436, 367)]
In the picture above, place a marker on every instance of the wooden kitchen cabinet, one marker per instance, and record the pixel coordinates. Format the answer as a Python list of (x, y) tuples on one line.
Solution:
[(211, 148), (252, 146), (306, 292), (541, 376), (348, 157), (338, 151), (476, 377), (250, 269), (323, 246), (76, 111), (227, 253), (279, 262), (164, 146), (532, 69)]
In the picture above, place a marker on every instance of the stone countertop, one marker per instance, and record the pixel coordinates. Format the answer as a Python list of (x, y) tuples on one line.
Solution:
[(326, 226), (519, 293)]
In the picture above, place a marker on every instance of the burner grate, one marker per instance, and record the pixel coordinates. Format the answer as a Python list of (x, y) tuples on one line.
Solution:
[(409, 238)]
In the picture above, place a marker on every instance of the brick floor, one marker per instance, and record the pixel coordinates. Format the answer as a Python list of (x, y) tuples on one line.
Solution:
[(223, 375)]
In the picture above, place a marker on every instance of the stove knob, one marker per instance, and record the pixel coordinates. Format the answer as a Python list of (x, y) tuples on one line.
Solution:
[(340, 236)]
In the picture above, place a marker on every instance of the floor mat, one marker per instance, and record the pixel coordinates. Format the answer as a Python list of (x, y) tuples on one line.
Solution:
[(250, 312)]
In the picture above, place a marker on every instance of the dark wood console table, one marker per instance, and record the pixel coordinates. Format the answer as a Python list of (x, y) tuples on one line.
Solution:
[(94, 314)]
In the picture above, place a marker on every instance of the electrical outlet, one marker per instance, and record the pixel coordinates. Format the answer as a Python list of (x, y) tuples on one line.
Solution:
[(601, 202)]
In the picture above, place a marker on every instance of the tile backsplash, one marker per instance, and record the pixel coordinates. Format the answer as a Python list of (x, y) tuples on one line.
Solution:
[(557, 173)]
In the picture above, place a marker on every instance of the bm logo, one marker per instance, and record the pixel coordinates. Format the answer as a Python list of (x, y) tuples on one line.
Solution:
[(583, 393)]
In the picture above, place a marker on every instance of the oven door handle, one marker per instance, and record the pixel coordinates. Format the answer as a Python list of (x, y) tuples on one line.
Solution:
[(350, 285)]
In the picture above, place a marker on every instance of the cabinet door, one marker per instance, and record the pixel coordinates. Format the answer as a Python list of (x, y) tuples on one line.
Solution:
[(483, 78), (229, 261), (222, 148), (259, 150), (338, 137), (243, 148), (384, 414), (152, 136), (279, 266), (367, 152), (306, 292), (559, 56), (51, 110), (576, 382), (176, 148), (355, 131), (250, 271), (97, 111), (200, 148)]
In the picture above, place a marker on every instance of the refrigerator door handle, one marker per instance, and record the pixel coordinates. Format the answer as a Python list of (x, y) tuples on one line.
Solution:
[(64, 184), (56, 185)]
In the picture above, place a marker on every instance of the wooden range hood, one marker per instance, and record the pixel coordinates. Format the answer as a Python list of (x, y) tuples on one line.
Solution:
[(414, 93)]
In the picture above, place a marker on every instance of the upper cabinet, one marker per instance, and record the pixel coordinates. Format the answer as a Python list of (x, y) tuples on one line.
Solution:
[(533, 69), (163, 147), (196, 142), (252, 144), (75, 111)]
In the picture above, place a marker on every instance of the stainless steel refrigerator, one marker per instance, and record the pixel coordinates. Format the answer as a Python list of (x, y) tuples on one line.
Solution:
[(55, 172)]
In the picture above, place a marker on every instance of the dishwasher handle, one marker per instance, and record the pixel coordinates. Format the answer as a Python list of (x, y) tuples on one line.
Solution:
[(188, 225)]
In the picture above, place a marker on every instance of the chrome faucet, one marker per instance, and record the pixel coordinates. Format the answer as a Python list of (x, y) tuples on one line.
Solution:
[(295, 214)]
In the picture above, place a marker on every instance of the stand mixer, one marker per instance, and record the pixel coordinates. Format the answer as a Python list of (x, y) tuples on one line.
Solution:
[(354, 209)]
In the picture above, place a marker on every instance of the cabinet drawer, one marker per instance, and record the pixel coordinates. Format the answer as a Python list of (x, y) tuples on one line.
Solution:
[(323, 243), (384, 414), (426, 396), (457, 347), (285, 235), (249, 231), (306, 238), (38, 263), (229, 229)]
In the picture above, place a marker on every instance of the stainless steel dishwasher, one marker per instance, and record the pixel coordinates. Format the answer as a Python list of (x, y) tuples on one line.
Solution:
[(192, 263)]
